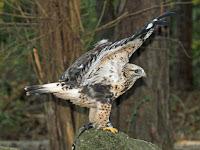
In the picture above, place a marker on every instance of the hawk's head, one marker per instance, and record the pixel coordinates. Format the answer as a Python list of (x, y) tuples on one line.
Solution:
[(133, 72), (137, 71)]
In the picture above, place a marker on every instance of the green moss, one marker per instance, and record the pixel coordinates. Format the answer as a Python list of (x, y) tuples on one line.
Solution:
[(106, 140)]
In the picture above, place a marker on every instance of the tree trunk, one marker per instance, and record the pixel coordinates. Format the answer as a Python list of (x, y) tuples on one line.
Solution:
[(182, 63), (60, 46), (143, 112)]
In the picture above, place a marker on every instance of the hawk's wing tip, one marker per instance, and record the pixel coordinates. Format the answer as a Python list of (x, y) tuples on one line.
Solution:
[(167, 14)]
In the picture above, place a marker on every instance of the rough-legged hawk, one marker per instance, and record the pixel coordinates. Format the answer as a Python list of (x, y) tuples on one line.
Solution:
[(101, 75)]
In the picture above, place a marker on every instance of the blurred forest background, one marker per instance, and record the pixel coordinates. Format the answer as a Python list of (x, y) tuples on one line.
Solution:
[(39, 39)]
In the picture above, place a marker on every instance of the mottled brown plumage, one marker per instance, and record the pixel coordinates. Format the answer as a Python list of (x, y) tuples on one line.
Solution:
[(101, 75)]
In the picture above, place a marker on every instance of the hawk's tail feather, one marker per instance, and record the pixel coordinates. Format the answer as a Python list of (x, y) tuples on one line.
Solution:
[(43, 89), (38, 92), (36, 87)]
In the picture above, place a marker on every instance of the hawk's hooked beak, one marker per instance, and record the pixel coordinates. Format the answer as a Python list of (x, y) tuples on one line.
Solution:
[(144, 74)]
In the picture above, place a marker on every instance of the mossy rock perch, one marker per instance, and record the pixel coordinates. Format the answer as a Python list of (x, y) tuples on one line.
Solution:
[(105, 140)]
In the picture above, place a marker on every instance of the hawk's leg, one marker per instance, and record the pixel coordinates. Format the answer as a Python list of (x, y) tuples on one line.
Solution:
[(110, 127), (86, 127), (99, 116)]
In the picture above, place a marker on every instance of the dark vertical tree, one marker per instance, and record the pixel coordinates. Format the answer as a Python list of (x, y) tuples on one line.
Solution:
[(143, 111), (60, 46), (182, 62)]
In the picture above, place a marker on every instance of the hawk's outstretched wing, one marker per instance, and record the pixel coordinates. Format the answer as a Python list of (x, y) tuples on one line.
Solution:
[(107, 59)]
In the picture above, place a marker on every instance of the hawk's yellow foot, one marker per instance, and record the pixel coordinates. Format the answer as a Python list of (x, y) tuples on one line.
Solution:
[(112, 129)]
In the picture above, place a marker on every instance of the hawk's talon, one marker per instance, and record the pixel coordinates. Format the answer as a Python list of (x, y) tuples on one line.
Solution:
[(111, 129)]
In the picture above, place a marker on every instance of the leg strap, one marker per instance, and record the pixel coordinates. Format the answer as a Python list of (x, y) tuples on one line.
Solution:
[(86, 127)]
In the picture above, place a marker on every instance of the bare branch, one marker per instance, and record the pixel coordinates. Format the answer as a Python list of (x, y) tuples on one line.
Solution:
[(11, 5), (34, 67), (78, 15), (34, 39), (108, 25), (28, 17), (37, 61), (17, 23), (41, 8), (157, 6)]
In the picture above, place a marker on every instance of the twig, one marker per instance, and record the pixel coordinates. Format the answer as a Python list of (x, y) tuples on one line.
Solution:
[(78, 15), (34, 66), (98, 23), (37, 61), (34, 39), (9, 52), (157, 6), (17, 32), (28, 17), (32, 59), (180, 43), (3, 29), (41, 8), (17, 23), (110, 24), (22, 13), (134, 113), (16, 58), (183, 48), (12, 6)]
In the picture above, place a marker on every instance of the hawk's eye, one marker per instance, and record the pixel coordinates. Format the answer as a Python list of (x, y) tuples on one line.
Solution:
[(136, 71)]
